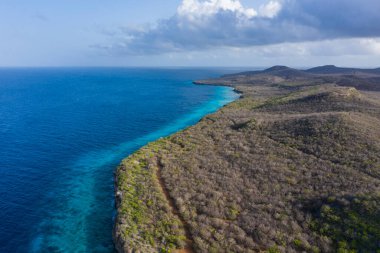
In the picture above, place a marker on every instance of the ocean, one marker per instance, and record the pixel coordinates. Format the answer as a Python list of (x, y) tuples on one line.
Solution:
[(63, 131)]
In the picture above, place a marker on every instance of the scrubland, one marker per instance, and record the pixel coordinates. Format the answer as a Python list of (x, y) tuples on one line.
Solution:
[(292, 166)]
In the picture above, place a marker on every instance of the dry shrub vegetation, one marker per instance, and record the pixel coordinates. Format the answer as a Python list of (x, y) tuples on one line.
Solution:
[(289, 167)]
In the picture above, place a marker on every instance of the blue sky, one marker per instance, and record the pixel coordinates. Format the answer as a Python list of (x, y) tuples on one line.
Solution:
[(189, 32)]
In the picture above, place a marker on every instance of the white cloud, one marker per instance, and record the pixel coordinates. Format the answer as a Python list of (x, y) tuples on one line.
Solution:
[(327, 48), (208, 24), (372, 45), (270, 10), (193, 9)]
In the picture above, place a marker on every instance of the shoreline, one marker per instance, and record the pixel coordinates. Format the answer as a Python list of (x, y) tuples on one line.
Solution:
[(120, 244)]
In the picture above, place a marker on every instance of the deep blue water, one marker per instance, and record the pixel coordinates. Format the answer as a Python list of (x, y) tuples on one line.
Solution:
[(63, 131)]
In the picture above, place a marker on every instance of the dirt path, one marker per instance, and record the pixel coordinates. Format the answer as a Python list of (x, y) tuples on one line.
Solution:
[(175, 211)]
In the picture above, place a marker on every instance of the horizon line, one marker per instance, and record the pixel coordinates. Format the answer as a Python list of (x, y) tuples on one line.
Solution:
[(187, 67)]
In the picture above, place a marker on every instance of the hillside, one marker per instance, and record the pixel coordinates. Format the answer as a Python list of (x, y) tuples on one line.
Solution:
[(292, 166), (331, 69), (363, 79)]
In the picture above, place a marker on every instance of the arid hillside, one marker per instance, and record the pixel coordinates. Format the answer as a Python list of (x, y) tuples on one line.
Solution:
[(292, 166)]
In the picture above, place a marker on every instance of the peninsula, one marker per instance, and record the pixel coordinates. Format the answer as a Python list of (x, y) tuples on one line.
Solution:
[(291, 166)]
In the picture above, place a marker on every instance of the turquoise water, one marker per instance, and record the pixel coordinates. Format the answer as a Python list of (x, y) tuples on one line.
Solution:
[(64, 131)]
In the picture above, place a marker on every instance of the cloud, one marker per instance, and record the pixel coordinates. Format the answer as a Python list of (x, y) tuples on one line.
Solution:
[(194, 9), (210, 24), (326, 48), (270, 10)]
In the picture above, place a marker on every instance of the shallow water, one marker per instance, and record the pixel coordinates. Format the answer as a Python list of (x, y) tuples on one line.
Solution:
[(63, 132)]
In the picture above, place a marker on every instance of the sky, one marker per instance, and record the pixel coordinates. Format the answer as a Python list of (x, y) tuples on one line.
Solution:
[(253, 33)]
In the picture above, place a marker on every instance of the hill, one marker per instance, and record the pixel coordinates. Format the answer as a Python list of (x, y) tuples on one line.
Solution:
[(292, 166), (281, 71), (331, 69), (363, 79)]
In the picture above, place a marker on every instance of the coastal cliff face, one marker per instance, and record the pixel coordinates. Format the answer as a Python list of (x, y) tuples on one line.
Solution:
[(292, 166)]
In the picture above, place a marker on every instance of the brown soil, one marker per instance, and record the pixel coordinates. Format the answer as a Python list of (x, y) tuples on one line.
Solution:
[(175, 211)]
